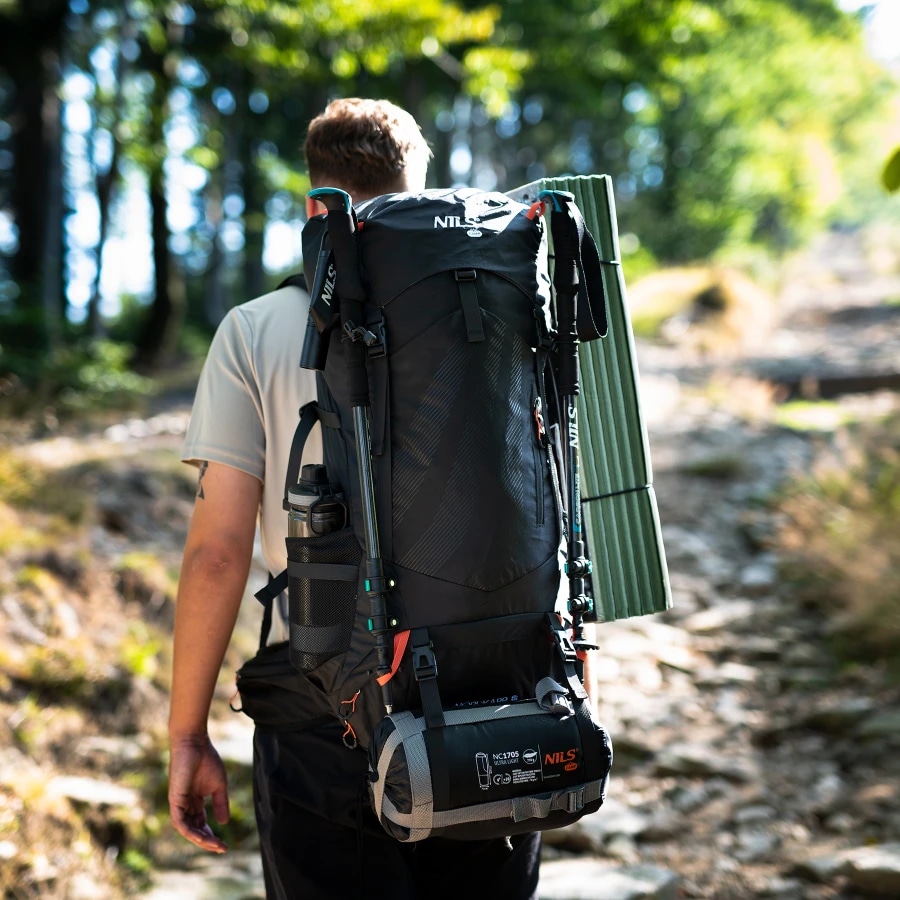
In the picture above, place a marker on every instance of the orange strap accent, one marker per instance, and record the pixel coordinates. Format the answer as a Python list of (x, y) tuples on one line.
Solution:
[(352, 742), (401, 639), (536, 209)]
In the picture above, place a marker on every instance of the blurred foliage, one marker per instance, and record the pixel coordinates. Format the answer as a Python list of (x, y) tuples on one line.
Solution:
[(724, 122), (840, 539), (85, 375), (890, 177), (726, 125)]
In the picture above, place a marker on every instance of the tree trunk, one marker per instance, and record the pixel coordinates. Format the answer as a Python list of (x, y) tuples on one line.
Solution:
[(105, 182), (30, 45), (158, 336), (254, 219)]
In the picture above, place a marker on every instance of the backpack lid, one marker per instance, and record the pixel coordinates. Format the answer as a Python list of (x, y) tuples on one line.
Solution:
[(409, 236)]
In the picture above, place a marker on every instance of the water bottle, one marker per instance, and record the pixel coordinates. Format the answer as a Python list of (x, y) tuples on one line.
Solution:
[(316, 507), (321, 609)]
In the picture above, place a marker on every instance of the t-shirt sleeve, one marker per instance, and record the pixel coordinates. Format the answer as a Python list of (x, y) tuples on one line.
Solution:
[(227, 423)]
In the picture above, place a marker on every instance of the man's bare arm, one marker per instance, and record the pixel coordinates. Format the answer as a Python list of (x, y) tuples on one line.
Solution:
[(214, 571)]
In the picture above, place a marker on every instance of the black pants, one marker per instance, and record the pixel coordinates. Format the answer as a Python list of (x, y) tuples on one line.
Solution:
[(321, 840)]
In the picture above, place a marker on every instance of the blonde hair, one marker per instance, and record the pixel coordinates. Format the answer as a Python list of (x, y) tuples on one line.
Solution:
[(366, 147)]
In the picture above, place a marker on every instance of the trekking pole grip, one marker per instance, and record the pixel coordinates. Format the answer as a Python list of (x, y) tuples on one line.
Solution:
[(348, 287), (564, 229)]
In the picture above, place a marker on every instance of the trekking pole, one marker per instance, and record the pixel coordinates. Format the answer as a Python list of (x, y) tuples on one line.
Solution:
[(356, 340), (566, 241)]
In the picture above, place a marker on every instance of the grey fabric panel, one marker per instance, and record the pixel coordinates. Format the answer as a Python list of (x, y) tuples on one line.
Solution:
[(507, 711), (417, 764), (553, 697), (384, 760), (572, 800), (536, 807)]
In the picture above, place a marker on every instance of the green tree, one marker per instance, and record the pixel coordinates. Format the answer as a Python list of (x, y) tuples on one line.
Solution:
[(722, 122)]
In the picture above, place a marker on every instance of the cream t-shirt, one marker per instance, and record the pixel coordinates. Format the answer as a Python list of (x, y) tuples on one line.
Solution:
[(246, 408)]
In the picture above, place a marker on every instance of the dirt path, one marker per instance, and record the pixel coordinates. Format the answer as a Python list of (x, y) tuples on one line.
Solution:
[(748, 764)]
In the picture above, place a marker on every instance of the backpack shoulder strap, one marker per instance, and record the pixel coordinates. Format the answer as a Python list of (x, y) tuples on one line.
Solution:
[(309, 415)]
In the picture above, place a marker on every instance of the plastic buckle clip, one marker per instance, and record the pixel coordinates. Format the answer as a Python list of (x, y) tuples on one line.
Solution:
[(565, 645), (424, 662), (574, 800), (378, 349)]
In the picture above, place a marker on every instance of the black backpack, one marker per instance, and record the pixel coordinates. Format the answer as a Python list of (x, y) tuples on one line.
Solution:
[(433, 624)]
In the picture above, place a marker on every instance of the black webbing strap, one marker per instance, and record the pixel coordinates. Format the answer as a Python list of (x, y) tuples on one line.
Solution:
[(468, 299), (322, 571), (568, 655), (310, 413), (380, 441), (266, 596), (379, 384), (577, 266), (436, 742), (425, 670), (297, 280)]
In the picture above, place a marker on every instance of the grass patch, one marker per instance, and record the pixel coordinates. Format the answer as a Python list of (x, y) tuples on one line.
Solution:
[(840, 540), (806, 415)]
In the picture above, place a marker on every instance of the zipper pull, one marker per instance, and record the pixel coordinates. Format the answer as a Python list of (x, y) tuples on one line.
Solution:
[(539, 421)]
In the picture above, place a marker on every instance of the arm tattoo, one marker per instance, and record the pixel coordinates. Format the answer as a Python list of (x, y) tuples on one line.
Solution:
[(203, 467)]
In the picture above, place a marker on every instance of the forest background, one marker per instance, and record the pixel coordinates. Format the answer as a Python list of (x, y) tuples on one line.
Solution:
[(151, 178), (151, 174)]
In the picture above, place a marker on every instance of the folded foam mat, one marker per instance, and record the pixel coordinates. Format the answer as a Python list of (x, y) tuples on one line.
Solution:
[(620, 515)]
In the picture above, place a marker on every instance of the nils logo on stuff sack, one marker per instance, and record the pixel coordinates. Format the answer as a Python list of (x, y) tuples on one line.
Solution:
[(568, 759)]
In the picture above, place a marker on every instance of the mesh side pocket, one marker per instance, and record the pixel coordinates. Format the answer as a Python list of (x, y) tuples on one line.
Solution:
[(323, 572)]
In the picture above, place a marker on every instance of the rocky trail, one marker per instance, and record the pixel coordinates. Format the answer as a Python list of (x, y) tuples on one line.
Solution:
[(748, 762)]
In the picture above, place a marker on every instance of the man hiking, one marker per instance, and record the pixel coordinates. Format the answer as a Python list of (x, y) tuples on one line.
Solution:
[(318, 835)]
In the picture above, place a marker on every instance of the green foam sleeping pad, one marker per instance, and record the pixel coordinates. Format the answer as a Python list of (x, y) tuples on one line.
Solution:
[(620, 516)]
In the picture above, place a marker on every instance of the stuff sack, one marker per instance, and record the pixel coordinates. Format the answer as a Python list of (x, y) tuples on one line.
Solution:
[(489, 771)]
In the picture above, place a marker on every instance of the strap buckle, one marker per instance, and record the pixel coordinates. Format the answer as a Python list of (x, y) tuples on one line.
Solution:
[(565, 645), (378, 348), (424, 662), (574, 800)]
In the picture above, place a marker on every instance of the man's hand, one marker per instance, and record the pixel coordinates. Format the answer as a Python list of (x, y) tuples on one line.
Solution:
[(195, 773), (217, 557)]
